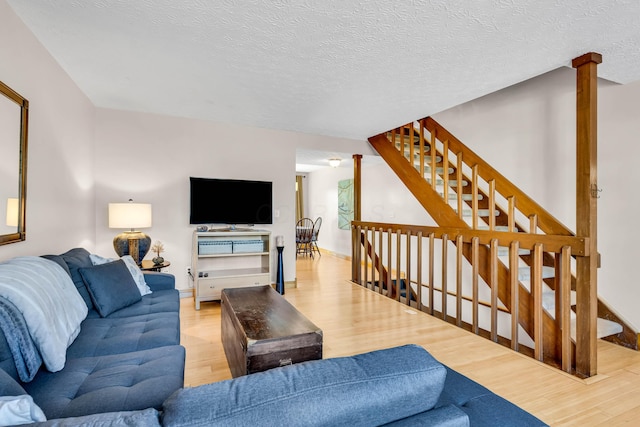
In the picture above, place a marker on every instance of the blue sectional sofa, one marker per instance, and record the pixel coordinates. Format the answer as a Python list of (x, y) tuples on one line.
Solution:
[(123, 366), (127, 359)]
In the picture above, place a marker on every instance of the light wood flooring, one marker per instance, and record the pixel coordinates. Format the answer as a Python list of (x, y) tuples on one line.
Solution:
[(356, 320)]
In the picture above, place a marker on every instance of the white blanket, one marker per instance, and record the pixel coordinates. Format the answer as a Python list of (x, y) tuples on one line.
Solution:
[(49, 301)]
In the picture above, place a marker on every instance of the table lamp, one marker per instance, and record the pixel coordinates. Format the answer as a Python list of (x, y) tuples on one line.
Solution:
[(131, 215)]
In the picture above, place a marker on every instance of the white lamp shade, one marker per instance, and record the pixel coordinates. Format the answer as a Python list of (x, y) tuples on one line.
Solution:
[(12, 212), (129, 215)]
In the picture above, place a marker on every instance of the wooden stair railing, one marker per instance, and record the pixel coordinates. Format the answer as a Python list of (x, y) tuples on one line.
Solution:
[(416, 245), (474, 197), (415, 141), (377, 266), (445, 216)]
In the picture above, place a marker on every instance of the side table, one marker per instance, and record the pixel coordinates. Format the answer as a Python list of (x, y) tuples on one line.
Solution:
[(148, 265)]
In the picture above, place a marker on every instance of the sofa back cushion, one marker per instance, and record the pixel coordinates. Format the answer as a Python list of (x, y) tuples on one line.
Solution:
[(369, 389), (72, 261), (7, 369)]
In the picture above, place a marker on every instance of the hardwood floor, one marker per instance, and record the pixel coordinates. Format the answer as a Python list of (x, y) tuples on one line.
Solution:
[(356, 320)]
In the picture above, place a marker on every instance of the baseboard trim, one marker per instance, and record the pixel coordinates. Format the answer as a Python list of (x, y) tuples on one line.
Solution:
[(186, 293), (335, 254)]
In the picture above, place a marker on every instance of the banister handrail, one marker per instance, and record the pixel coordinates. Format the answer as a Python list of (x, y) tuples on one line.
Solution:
[(551, 243)]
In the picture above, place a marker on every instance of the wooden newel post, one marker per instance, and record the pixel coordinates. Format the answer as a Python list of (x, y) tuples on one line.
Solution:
[(586, 211), (357, 187), (357, 214)]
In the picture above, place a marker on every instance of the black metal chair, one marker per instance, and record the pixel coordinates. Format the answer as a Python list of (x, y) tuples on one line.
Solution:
[(314, 235), (304, 231)]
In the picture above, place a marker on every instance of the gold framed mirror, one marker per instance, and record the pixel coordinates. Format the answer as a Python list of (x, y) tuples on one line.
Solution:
[(14, 119)]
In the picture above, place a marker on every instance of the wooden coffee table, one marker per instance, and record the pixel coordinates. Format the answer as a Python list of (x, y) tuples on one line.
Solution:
[(261, 330)]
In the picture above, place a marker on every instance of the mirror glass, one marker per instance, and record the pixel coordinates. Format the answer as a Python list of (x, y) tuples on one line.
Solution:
[(13, 155)]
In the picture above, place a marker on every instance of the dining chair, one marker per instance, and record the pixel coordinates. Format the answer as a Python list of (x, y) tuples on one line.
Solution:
[(314, 235), (304, 231)]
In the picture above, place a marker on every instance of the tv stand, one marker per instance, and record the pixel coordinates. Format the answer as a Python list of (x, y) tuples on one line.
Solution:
[(229, 258)]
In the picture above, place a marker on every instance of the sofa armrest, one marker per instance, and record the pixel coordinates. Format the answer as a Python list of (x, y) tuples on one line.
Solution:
[(159, 281), (363, 390)]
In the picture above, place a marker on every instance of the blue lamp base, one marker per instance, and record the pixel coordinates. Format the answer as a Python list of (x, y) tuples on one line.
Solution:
[(134, 243), (280, 274)]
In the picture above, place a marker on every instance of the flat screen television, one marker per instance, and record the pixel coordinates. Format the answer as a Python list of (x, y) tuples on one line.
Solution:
[(230, 201)]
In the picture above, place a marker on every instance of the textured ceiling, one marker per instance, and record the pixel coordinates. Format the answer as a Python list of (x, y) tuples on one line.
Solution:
[(348, 68)]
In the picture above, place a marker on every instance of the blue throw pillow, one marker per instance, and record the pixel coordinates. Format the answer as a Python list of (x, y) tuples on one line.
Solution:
[(135, 271), (111, 286)]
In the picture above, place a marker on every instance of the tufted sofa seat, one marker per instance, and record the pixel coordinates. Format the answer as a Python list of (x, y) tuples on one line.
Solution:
[(126, 381), (104, 336)]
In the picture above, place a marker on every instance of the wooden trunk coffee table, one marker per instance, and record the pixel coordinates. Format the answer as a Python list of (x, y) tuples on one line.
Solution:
[(261, 330)]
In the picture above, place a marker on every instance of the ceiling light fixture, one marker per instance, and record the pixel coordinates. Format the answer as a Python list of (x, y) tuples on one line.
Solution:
[(335, 162)]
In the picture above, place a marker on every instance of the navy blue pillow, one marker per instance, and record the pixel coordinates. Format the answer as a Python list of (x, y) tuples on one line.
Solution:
[(111, 286)]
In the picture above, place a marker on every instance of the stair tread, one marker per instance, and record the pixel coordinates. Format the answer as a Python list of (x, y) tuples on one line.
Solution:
[(605, 328), (452, 182), (496, 228), (504, 251), (427, 160), (439, 169), (549, 300), (465, 197), (481, 212), (524, 273)]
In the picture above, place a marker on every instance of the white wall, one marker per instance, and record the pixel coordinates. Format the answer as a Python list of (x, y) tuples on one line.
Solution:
[(384, 199), (618, 206), (527, 132), (150, 157), (60, 152)]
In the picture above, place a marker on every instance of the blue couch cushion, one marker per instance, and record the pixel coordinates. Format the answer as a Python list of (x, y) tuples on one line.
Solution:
[(111, 286), (158, 281), (58, 260), (484, 408), (444, 416), (157, 302), (7, 362), (71, 261), (100, 336), (404, 380), (9, 386), (121, 382)]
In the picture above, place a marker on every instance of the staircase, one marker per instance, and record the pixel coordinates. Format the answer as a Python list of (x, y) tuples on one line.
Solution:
[(498, 230)]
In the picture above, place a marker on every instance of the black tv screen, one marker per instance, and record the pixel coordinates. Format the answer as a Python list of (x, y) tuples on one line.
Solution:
[(230, 201)]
